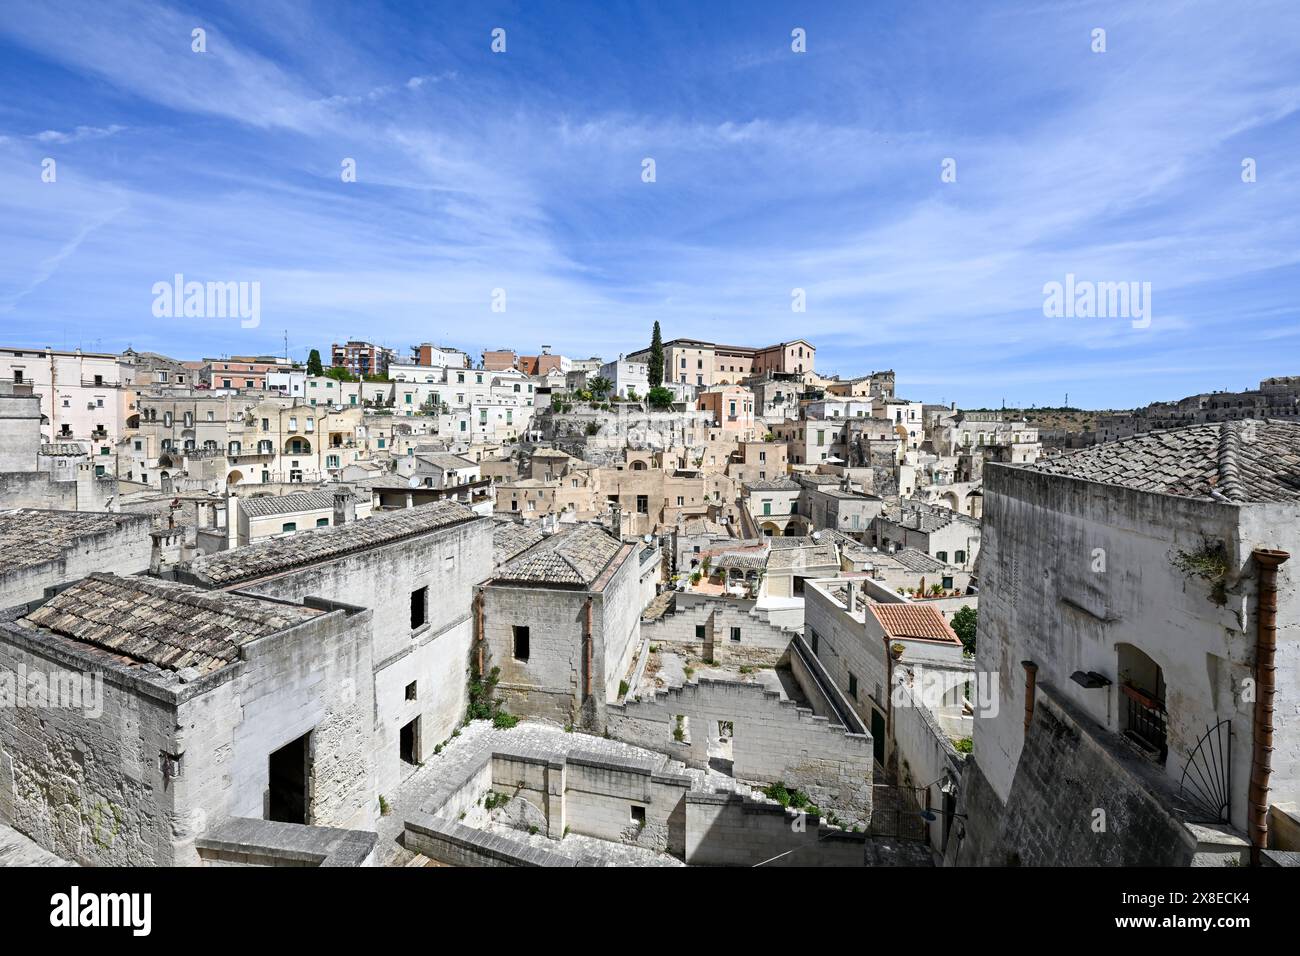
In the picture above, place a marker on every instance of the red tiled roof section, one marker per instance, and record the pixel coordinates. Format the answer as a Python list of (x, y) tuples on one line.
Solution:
[(917, 621)]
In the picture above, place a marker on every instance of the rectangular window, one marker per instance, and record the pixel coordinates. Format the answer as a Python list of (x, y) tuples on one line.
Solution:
[(521, 642), (289, 526), (815, 641), (699, 632), (735, 635), (419, 607), (642, 504), (412, 691), (322, 522), (638, 815), (853, 686)]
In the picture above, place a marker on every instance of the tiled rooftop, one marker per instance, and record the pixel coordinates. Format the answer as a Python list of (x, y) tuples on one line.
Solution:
[(773, 484), (921, 516), (61, 449), (915, 560), (794, 558), (172, 626), (575, 556), (274, 555), (29, 537), (445, 460), (1250, 460), (913, 621), (265, 505), (512, 538)]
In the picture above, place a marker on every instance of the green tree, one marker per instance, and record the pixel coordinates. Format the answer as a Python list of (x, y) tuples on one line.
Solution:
[(600, 385), (314, 366), (963, 622), (660, 397), (339, 373), (656, 359)]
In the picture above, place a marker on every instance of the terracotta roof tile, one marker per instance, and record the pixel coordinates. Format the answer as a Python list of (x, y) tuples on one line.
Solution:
[(914, 621)]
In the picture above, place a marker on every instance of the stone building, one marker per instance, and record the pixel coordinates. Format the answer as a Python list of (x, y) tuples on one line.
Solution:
[(861, 633), (267, 516), (1138, 613), (166, 710), (48, 549), (416, 569), (561, 620), (944, 534)]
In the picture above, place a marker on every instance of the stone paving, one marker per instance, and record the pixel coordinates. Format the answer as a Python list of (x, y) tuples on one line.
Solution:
[(18, 850), (426, 789), (599, 852)]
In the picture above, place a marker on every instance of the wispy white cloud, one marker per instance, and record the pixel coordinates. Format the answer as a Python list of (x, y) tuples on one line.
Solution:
[(475, 175)]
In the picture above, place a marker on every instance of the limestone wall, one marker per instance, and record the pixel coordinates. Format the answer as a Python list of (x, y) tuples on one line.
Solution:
[(1080, 797), (774, 740), (725, 829), (137, 779), (122, 550), (435, 656), (82, 785), (312, 678), (760, 643)]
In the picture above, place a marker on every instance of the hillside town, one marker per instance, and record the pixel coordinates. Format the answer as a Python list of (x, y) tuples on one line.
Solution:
[(693, 604)]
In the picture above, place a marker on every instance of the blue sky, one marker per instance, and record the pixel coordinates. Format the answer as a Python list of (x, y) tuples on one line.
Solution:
[(774, 171)]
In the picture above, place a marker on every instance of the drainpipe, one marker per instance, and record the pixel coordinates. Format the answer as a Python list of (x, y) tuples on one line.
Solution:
[(478, 625), (1261, 760), (1031, 677), (889, 685), (586, 640)]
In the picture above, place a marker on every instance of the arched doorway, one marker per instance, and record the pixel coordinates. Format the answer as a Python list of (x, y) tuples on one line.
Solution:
[(1142, 715)]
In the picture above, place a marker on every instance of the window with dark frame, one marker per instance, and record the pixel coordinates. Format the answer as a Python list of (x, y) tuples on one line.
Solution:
[(419, 607), (521, 639)]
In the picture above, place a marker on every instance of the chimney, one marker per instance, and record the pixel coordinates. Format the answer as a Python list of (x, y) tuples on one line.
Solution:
[(616, 519), (345, 506), (232, 520), (165, 552)]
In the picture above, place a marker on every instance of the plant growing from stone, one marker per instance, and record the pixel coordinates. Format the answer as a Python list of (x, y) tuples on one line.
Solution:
[(1208, 562)]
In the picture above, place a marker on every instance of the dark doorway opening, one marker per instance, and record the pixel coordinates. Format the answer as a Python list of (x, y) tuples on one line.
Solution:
[(878, 735), (289, 768), (409, 742)]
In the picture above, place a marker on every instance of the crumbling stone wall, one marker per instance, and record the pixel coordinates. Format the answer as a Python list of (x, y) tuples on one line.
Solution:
[(774, 740), (760, 644), (87, 787)]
